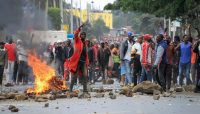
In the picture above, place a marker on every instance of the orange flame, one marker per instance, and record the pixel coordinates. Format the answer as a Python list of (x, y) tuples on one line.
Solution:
[(43, 74)]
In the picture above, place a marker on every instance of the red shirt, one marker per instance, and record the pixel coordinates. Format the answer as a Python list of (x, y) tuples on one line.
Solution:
[(12, 48)]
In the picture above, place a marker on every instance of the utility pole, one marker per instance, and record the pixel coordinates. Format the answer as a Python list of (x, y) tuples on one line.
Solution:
[(46, 11), (71, 14), (169, 28), (61, 13), (28, 18), (80, 14), (164, 22)]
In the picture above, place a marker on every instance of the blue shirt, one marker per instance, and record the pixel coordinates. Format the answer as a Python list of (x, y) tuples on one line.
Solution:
[(186, 53)]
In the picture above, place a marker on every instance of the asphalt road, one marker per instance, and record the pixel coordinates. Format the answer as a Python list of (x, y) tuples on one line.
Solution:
[(144, 104)]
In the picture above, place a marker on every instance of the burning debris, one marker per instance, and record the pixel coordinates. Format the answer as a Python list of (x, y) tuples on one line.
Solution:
[(46, 80)]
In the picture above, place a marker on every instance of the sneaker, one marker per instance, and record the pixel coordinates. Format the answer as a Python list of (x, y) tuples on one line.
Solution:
[(125, 86), (132, 84), (122, 84)]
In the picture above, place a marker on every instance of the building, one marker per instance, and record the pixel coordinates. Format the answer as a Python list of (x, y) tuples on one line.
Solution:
[(107, 17)]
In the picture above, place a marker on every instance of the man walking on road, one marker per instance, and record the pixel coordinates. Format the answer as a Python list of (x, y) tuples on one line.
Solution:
[(125, 57), (79, 61)]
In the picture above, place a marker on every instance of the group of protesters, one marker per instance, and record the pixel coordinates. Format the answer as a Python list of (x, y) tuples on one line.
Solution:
[(133, 61)]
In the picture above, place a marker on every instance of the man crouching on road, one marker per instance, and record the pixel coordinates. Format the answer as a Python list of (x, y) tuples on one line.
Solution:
[(79, 61)]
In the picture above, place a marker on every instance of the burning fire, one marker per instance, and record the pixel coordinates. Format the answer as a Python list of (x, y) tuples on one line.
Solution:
[(45, 76)]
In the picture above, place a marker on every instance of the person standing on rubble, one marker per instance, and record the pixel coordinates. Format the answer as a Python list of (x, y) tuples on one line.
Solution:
[(79, 61), (3, 61)]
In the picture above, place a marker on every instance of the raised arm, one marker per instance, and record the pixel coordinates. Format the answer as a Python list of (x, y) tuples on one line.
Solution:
[(161, 30), (188, 25), (77, 32)]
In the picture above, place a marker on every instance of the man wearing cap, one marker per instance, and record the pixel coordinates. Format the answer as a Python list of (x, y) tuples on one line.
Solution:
[(145, 59), (125, 57), (12, 53), (103, 59), (3, 61), (161, 59), (59, 57), (79, 61)]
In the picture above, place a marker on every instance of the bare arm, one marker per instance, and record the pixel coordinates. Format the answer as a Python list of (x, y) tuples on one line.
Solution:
[(178, 47)]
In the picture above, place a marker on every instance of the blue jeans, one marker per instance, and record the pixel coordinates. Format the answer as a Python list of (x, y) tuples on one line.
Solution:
[(186, 67), (128, 69), (147, 73)]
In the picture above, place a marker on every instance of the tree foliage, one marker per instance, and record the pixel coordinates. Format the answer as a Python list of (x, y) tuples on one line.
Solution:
[(119, 21), (55, 17), (175, 9), (99, 28)]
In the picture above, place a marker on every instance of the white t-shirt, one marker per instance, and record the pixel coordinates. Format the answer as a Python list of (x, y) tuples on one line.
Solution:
[(128, 53)]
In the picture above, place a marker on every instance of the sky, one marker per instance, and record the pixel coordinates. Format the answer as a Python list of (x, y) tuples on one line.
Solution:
[(97, 3)]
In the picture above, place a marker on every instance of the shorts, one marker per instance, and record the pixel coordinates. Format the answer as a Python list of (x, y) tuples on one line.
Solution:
[(122, 70)]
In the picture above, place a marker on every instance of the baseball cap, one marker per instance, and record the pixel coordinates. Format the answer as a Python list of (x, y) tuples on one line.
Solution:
[(147, 36), (2, 43), (130, 34), (59, 41), (88, 40)]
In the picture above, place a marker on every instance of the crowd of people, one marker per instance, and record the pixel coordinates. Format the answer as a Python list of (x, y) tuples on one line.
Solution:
[(133, 61)]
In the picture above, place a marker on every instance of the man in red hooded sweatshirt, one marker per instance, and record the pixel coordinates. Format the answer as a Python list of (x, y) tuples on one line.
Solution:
[(79, 61)]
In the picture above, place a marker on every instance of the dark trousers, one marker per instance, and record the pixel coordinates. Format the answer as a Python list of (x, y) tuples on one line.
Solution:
[(175, 74), (22, 71), (91, 71), (82, 67), (198, 77), (168, 75), (161, 78), (1, 74), (137, 71), (117, 70), (15, 72), (59, 66)]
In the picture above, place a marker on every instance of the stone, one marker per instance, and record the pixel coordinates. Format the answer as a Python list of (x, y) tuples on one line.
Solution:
[(110, 93), (41, 100), (178, 89), (113, 96), (56, 107), (84, 95), (108, 81), (165, 94), (2, 97), (99, 95), (129, 93), (156, 97), (173, 96), (52, 97), (146, 87), (61, 96), (89, 99), (46, 105), (11, 107), (89, 88), (123, 92), (14, 91), (101, 89), (20, 97), (15, 110), (45, 96), (70, 94), (189, 88), (6, 92), (156, 92)]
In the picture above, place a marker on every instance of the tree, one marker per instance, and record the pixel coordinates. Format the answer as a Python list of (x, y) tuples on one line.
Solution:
[(175, 9), (88, 30), (119, 21), (99, 28), (55, 17)]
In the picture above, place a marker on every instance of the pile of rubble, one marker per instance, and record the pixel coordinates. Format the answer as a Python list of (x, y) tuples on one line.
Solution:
[(145, 87)]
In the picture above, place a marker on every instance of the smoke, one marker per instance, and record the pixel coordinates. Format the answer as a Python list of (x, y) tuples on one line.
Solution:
[(14, 18)]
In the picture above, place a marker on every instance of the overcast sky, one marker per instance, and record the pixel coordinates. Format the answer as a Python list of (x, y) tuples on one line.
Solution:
[(97, 3)]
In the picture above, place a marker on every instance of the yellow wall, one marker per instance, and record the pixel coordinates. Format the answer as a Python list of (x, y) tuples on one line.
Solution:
[(107, 17)]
